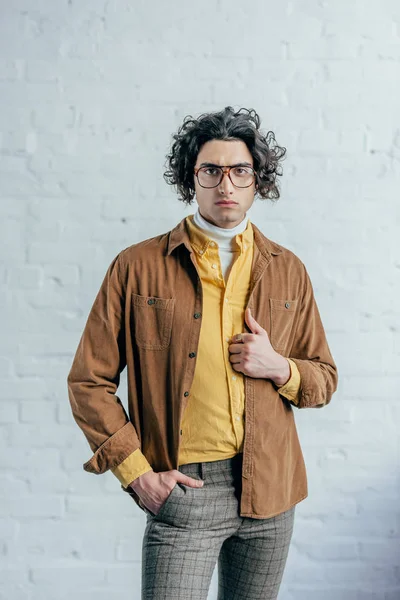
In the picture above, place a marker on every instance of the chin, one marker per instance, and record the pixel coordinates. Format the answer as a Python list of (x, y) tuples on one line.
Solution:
[(228, 219)]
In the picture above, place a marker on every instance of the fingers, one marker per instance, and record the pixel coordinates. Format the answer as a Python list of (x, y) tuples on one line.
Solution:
[(186, 480), (238, 338), (242, 338), (235, 348), (235, 360)]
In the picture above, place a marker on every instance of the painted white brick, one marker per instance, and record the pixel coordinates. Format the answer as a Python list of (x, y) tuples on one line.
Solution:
[(67, 576), (339, 549), (28, 459), (26, 277), (51, 436), (33, 507), (330, 592), (90, 94), (37, 412), (8, 411), (123, 577), (13, 485)]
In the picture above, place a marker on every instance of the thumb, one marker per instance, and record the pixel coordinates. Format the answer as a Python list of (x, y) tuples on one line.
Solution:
[(190, 481), (252, 323)]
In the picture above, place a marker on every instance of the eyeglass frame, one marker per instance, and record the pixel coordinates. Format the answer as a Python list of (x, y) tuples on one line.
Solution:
[(225, 169)]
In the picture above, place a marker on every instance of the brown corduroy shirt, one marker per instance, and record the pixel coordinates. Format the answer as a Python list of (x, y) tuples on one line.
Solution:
[(147, 317)]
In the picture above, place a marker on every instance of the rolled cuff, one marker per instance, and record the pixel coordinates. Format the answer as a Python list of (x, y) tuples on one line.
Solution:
[(114, 450), (318, 383)]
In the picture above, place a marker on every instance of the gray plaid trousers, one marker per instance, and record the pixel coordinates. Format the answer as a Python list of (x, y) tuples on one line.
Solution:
[(196, 527)]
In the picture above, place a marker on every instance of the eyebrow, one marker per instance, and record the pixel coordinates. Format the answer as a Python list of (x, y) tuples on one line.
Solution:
[(240, 164)]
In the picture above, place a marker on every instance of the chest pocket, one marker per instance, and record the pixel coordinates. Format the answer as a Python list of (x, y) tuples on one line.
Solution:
[(283, 317), (152, 321)]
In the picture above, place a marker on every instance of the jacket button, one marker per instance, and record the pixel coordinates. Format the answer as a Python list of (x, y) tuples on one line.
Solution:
[(192, 354), (287, 304), (151, 301), (197, 315), (186, 394)]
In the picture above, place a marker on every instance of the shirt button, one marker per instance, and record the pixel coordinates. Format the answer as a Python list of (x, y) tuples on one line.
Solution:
[(197, 315), (237, 418), (201, 251), (212, 243), (192, 354), (214, 266), (226, 300), (287, 304), (186, 394), (227, 339), (234, 377)]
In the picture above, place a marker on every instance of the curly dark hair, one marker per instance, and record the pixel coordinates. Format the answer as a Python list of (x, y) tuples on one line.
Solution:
[(224, 125)]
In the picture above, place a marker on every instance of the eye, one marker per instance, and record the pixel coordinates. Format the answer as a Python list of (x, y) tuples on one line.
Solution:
[(243, 171)]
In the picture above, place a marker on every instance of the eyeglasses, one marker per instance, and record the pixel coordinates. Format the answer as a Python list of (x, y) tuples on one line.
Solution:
[(211, 176)]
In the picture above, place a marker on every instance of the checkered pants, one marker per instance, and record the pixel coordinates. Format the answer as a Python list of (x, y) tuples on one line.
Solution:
[(198, 527)]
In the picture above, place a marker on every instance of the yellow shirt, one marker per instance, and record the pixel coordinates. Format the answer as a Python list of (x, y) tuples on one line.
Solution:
[(212, 425)]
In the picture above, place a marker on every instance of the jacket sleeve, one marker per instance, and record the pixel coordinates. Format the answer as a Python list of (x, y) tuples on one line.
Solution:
[(311, 353), (95, 374)]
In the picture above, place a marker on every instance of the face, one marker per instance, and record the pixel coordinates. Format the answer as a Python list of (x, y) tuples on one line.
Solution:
[(224, 205)]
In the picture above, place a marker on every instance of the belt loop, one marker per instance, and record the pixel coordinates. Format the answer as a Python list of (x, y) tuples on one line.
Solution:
[(201, 471)]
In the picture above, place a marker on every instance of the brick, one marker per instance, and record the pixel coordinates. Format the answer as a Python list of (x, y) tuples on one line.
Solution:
[(29, 506), (85, 124)]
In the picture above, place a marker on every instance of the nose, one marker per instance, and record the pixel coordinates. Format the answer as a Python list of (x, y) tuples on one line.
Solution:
[(226, 184)]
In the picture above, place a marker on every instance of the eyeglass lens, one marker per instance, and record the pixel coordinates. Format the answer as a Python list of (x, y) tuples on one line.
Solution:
[(212, 176)]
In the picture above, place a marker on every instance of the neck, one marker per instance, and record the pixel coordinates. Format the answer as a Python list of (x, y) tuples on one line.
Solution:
[(219, 234)]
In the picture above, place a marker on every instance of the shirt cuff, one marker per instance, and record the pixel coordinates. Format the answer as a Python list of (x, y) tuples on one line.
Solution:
[(131, 468), (291, 388)]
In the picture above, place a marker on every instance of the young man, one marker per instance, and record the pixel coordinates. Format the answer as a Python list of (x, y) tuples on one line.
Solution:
[(221, 336)]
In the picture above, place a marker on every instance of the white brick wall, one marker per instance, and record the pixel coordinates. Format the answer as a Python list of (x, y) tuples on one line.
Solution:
[(90, 94)]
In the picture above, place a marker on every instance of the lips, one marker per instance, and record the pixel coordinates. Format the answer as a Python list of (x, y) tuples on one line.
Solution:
[(226, 203)]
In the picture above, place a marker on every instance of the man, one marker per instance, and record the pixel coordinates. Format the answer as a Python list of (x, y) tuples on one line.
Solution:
[(222, 337)]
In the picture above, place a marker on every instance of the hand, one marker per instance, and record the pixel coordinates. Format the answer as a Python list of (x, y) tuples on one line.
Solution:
[(253, 355), (154, 488)]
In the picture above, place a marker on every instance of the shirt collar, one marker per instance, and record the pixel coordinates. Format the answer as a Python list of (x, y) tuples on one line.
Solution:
[(179, 235), (201, 239)]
